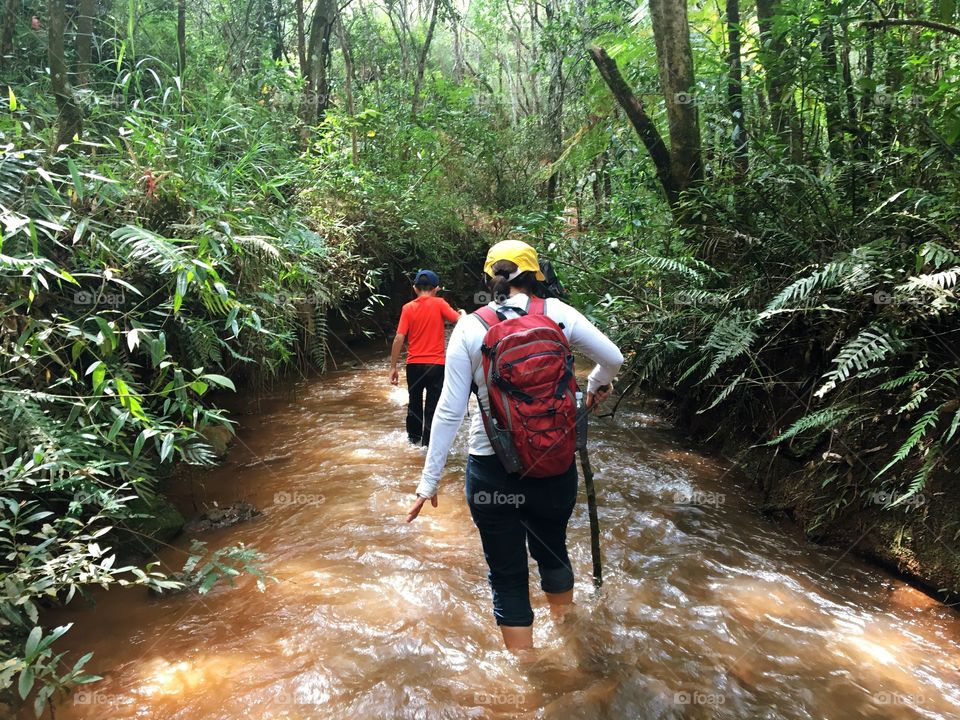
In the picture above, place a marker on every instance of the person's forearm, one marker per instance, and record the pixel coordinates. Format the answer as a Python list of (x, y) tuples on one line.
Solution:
[(452, 406), (598, 347), (395, 351)]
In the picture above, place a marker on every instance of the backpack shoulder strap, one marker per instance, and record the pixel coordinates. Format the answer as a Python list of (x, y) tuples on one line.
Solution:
[(536, 306), (487, 317)]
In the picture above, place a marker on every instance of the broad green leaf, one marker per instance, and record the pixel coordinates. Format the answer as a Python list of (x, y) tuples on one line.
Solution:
[(166, 447), (221, 380), (25, 684), (77, 180), (33, 641)]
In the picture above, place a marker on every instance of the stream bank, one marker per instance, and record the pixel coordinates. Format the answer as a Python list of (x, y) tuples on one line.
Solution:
[(916, 541)]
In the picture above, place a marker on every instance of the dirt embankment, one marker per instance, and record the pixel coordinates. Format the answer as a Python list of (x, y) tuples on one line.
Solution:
[(827, 485)]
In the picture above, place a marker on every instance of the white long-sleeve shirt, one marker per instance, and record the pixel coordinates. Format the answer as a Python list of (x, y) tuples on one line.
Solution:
[(464, 367)]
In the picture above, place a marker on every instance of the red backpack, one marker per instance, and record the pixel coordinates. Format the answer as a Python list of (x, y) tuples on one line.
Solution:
[(528, 368)]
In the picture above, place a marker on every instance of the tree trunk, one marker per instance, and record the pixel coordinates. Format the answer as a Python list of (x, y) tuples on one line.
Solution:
[(276, 28), (735, 90), (853, 122), (458, 61), (181, 39), (639, 119), (401, 42), (893, 80), (554, 117), (69, 120), (317, 90), (866, 97), (9, 28), (852, 125), (348, 88), (422, 62), (85, 9), (773, 51), (671, 34), (301, 40), (555, 127), (828, 49)]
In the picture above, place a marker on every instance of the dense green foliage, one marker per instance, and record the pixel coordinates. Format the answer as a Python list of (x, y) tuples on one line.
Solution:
[(198, 226)]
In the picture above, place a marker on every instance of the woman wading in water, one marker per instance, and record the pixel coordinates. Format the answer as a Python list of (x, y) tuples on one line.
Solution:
[(514, 509)]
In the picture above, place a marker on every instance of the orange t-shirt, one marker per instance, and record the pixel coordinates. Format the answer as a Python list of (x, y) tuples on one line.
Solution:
[(421, 320)]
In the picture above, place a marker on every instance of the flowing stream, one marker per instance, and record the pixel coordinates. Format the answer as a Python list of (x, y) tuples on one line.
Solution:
[(708, 610)]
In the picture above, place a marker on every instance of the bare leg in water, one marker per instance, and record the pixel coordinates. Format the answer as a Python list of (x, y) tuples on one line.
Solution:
[(560, 604), (519, 640)]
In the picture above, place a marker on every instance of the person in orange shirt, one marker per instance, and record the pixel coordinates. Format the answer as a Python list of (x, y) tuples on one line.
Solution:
[(421, 325)]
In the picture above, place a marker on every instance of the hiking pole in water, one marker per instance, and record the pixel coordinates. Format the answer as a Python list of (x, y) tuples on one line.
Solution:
[(594, 520), (583, 413)]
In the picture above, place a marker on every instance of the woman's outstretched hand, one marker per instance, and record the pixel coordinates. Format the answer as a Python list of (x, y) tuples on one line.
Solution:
[(415, 510)]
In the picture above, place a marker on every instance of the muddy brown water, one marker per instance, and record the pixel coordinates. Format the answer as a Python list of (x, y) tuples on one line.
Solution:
[(708, 610)]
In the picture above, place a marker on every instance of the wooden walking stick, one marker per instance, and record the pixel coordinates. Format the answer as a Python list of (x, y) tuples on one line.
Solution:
[(584, 412), (594, 520)]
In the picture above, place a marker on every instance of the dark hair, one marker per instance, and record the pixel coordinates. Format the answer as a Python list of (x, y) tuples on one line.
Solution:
[(499, 285)]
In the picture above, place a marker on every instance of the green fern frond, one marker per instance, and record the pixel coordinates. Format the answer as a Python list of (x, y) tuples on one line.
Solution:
[(731, 338), (868, 347), (926, 421), (263, 247), (318, 348), (951, 431), (725, 393), (142, 245), (854, 273), (197, 452), (693, 368), (920, 479), (937, 255), (939, 281), (688, 266), (910, 377), (800, 290), (821, 420), (201, 344), (916, 400)]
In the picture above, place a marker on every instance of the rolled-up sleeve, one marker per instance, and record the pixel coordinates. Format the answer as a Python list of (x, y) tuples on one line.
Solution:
[(451, 408)]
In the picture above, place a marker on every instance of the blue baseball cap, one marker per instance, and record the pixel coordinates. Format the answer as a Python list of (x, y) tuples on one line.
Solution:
[(427, 277)]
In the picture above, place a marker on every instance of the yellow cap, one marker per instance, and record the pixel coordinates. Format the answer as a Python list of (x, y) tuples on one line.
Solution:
[(517, 252)]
